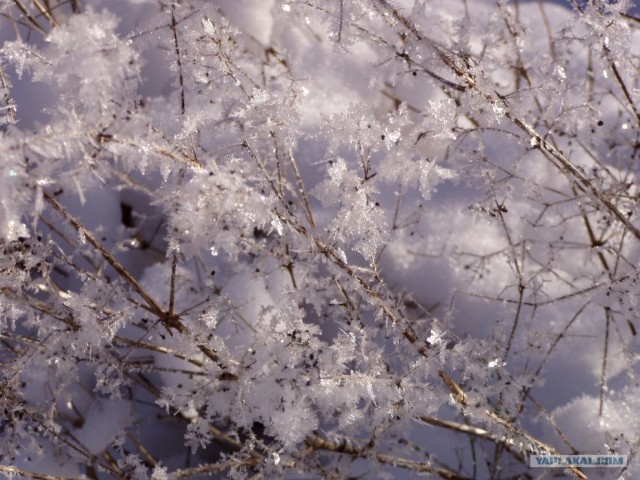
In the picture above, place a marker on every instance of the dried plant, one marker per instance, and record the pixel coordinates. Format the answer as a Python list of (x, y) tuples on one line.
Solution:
[(311, 239)]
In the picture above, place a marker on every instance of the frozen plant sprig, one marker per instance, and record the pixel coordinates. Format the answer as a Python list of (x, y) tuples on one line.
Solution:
[(313, 237)]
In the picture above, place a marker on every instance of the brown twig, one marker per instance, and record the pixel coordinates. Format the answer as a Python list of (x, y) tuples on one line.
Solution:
[(316, 443)]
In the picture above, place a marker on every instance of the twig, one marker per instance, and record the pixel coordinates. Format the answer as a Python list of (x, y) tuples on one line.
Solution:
[(170, 321), (302, 189), (117, 266), (45, 12), (9, 105), (316, 443), (605, 354), (476, 432), (625, 90), (534, 441), (29, 17), (174, 29), (15, 471)]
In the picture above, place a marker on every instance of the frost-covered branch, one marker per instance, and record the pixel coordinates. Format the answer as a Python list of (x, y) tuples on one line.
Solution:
[(276, 238)]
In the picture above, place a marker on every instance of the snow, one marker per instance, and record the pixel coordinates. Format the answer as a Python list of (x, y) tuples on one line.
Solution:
[(228, 226)]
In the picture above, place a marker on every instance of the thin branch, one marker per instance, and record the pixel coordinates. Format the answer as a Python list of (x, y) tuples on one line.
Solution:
[(534, 441), (316, 443), (117, 266), (10, 472), (605, 354), (46, 12), (625, 91), (169, 321), (8, 105), (172, 293), (476, 432), (34, 23), (174, 29), (302, 189)]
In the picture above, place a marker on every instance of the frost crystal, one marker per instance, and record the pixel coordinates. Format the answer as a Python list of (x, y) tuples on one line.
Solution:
[(269, 238)]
